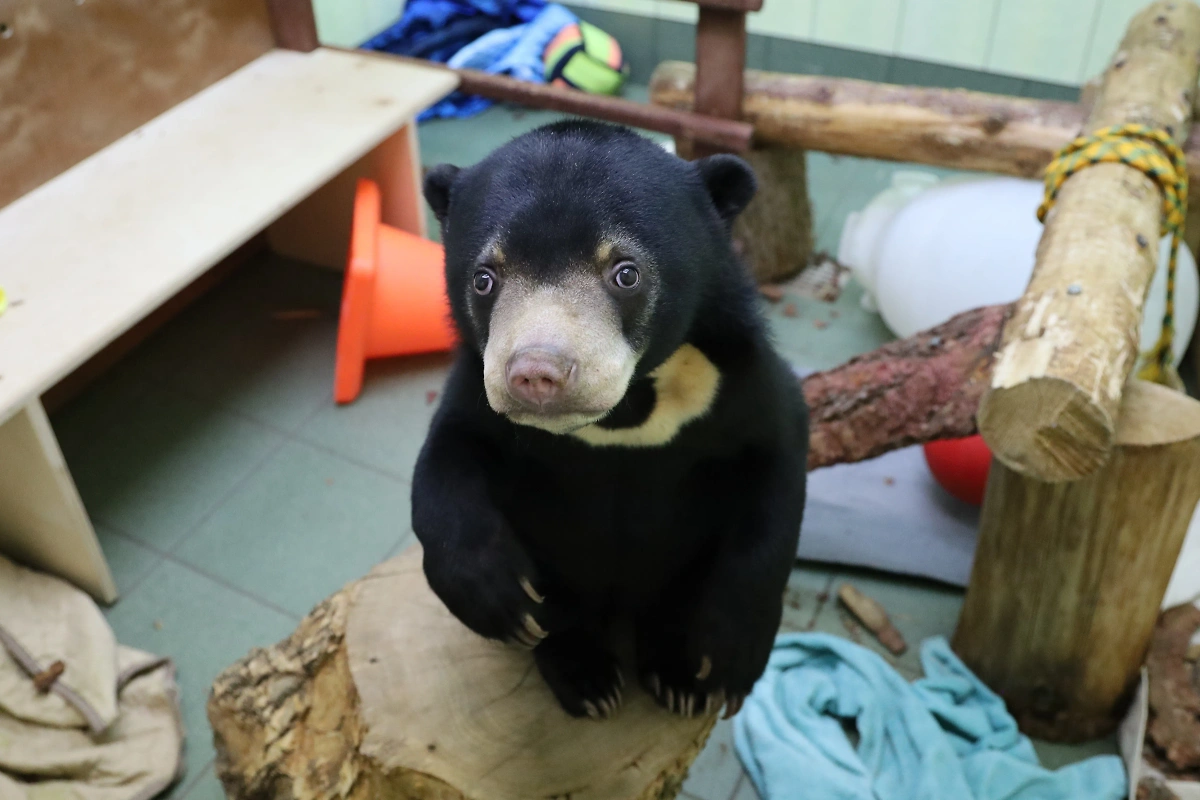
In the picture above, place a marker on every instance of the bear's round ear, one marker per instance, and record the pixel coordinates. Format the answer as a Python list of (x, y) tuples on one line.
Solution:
[(730, 182), (438, 182)]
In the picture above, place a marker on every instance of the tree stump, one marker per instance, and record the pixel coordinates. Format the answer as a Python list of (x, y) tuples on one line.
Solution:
[(381, 694), (774, 235), (1068, 577)]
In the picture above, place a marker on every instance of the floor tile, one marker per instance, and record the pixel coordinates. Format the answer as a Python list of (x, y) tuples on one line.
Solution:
[(129, 560), (207, 788), (301, 527), (716, 771), (386, 426), (100, 407), (807, 597), (204, 627), (165, 462), (746, 791)]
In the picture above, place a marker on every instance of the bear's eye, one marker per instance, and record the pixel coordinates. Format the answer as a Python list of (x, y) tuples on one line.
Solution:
[(625, 275), (484, 281)]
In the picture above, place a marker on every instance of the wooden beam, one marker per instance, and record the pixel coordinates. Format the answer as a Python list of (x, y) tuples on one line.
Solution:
[(721, 133), (294, 24), (1051, 412), (720, 64)]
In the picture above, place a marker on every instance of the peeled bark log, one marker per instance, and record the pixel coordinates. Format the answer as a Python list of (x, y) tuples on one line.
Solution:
[(1072, 342), (1068, 577), (381, 694), (941, 127), (907, 392)]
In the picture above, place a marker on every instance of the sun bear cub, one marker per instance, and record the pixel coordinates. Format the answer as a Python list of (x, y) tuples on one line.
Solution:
[(618, 443)]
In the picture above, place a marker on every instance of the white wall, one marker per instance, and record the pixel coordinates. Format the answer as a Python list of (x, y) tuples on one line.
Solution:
[(1061, 41)]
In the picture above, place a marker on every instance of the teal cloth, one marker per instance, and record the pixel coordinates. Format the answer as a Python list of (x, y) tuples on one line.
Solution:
[(943, 737)]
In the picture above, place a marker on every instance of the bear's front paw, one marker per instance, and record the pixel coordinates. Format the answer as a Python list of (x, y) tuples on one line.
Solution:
[(582, 673), (714, 665), (492, 590)]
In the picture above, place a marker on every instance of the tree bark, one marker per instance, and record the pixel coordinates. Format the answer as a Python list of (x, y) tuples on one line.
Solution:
[(1051, 412), (910, 391), (1068, 577), (381, 694)]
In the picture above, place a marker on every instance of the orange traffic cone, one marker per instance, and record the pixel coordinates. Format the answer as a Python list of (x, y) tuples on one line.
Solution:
[(394, 300)]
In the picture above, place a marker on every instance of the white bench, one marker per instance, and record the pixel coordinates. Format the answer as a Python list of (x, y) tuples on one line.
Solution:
[(89, 254)]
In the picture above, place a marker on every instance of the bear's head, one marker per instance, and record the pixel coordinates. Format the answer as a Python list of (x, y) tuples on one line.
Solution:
[(578, 257)]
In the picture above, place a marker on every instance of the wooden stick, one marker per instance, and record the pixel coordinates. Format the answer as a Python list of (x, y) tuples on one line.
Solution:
[(1051, 412), (725, 134), (1068, 577), (874, 618)]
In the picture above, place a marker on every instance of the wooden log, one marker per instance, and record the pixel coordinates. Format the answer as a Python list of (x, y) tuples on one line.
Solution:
[(939, 127), (294, 24), (774, 235), (1073, 340), (952, 128), (910, 391), (1068, 577), (381, 694)]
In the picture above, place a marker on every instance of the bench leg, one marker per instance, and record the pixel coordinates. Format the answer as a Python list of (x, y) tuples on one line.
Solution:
[(43, 523), (317, 230)]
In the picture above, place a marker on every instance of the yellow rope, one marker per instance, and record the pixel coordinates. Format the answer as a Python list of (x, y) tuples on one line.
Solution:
[(1154, 152)]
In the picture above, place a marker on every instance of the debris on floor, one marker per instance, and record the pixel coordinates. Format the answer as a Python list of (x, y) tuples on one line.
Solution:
[(874, 617), (1173, 733)]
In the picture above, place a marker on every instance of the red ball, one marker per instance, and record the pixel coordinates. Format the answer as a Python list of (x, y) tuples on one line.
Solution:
[(960, 466)]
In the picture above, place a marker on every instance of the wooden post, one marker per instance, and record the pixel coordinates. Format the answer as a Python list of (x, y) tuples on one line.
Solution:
[(1052, 410), (720, 61), (1068, 577), (775, 232), (381, 694), (294, 24)]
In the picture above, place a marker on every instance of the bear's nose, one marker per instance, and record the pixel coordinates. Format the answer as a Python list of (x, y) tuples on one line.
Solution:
[(539, 377)]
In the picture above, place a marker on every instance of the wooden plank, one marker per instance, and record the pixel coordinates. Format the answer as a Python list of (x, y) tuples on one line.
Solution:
[(42, 520), (293, 24), (70, 386), (77, 76), (98, 248)]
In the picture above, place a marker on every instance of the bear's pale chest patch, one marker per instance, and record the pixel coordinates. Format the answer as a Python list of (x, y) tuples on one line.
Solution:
[(685, 386)]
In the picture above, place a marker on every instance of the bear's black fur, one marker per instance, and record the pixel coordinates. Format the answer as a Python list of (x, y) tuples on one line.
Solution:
[(546, 539)]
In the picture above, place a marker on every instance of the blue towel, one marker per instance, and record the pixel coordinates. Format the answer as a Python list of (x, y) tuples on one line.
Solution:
[(504, 37), (944, 737)]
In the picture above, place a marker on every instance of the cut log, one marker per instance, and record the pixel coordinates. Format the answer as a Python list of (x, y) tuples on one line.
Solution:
[(774, 235), (381, 694), (1068, 577), (910, 391), (1072, 342)]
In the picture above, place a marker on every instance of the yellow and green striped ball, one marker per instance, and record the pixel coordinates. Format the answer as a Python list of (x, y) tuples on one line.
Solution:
[(586, 58)]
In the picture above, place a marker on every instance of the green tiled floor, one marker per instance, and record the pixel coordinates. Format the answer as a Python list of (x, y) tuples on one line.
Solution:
[(230, 494)]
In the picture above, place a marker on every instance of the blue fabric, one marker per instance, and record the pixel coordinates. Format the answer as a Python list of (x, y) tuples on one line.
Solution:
[(943, 737), (504, 37)]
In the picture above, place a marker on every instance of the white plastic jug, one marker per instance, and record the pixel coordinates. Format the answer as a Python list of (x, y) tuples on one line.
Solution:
[(926, 250)]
